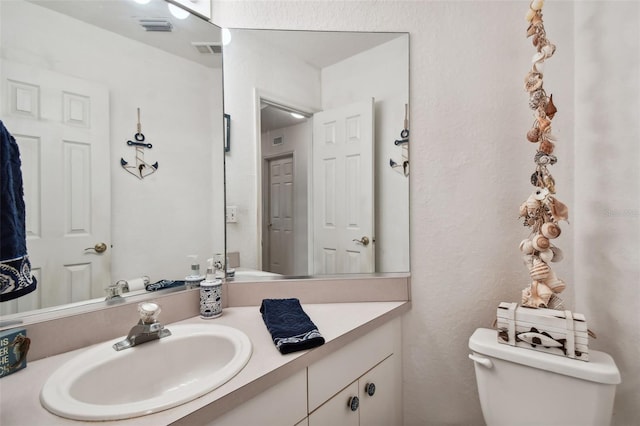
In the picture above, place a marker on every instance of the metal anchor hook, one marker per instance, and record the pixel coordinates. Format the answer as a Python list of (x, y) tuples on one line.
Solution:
[(404, 144), (141, 168)]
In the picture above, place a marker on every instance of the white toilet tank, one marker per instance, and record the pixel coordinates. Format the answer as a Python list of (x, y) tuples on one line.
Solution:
[(518, 386)]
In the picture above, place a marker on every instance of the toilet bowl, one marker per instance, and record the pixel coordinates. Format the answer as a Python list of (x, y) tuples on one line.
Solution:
[(519, 386)]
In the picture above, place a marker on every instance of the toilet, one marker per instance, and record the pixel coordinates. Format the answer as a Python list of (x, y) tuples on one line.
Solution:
[(518, 386)]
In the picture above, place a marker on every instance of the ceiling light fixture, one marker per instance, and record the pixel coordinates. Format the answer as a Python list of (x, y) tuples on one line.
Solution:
[(296, 115), (177, 12), (226, 36)]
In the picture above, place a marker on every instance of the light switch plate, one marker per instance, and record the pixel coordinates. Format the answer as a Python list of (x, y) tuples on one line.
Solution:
[(232, 214)]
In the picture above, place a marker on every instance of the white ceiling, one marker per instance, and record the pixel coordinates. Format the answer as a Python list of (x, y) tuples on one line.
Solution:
[(123, 17), (319, 49), (323, 48), (272, 118)]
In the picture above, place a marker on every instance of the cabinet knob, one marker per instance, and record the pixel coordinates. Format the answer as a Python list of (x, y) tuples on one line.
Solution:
[(370, 389), (354, 403)]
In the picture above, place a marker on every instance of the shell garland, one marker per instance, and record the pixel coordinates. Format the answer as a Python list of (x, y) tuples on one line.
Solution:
[(542, 211)]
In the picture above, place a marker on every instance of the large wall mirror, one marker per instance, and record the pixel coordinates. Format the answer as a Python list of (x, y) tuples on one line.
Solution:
[(76, 79), (317, 171)]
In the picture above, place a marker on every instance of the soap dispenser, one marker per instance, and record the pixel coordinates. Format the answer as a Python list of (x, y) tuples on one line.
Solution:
[(210, 294), (194, 278)]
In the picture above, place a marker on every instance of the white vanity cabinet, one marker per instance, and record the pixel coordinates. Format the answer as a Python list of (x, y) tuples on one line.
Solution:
[(319, 395), (282, 404), (374, 359), (379, 399), (336, 410), (382, 403)]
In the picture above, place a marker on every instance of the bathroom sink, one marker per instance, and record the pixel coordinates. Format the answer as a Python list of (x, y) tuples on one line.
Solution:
[(252, 273), (104, 384)]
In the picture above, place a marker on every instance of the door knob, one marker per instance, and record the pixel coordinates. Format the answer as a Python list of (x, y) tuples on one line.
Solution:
[(98, 248), (364, 241)]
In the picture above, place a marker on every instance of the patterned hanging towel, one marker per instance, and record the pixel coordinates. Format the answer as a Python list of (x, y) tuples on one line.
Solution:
[(290, 327), (162, 284), (15, 269)]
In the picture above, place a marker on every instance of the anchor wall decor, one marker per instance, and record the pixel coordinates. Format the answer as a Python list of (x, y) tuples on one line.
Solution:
[(141, 169), (402, 166)]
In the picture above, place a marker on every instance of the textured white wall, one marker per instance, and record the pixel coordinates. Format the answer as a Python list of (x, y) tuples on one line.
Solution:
[(470, 172), (607, 194)]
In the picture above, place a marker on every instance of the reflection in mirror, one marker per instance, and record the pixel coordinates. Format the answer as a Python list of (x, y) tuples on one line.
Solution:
[(74, 75), (316, 194)]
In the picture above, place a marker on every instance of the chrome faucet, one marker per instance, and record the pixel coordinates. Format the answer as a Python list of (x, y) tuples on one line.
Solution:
[(114, 291), (148, 328)]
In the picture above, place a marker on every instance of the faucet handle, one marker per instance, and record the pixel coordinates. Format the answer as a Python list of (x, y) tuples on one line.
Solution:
[(116, 290), (149, 312)]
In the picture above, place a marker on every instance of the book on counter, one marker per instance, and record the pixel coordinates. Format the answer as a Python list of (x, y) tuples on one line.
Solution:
[(14, 345)]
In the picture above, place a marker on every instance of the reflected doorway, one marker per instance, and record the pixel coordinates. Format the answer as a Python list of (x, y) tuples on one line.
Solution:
[(278, 200), (285, 141)]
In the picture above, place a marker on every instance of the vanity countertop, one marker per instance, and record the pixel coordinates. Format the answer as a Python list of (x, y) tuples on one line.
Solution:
[(339, 323)]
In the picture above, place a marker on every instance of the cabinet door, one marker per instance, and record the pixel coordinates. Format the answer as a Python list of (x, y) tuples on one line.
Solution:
[(382, 405), (282, 404), (336, 411), (335, 371)]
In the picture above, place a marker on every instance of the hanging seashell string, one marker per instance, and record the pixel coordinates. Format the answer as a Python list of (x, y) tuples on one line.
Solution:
[(542, 211)]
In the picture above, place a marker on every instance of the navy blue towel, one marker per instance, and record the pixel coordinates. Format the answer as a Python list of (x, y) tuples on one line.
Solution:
[(15, 269), (162, 284), (290, 327)]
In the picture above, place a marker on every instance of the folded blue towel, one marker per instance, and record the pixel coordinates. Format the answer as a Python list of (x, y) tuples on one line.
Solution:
[(290, 327)]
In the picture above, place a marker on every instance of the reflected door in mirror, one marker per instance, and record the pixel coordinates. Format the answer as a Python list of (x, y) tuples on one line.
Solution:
[(280, 251), (59, 124), (343, 194)]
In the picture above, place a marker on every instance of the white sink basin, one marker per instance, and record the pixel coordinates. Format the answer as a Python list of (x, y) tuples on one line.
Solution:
[(104, 384)]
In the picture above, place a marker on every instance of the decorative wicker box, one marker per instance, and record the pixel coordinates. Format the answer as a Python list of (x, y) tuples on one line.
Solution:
[(547, 330)]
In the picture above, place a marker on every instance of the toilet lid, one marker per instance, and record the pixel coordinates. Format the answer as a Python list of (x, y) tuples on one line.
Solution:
[(600, 368)]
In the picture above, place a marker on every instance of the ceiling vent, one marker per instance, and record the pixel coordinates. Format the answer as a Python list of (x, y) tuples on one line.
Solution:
[(208, 48), (161, 25)]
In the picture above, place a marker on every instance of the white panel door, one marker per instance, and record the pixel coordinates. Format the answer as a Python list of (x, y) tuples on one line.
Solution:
[(280, 252), (61, 124), (343, 190)]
